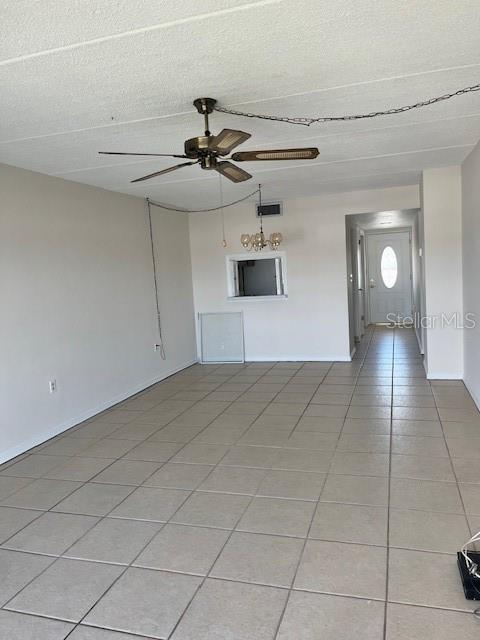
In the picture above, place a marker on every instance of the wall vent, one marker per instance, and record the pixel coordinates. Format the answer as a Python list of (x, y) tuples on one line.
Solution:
[(267, 209)]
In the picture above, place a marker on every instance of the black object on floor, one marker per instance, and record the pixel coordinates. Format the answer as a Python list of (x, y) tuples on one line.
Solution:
[(471, 584)]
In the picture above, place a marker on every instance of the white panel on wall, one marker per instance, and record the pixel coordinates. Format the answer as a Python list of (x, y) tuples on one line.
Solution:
[(221, 337)]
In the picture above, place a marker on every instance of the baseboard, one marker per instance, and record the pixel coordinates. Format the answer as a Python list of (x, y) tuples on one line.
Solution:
[(441, 375), (304, 358), (13, 452)]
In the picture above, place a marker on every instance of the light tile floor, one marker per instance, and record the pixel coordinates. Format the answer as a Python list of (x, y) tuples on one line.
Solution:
[(296, 501)]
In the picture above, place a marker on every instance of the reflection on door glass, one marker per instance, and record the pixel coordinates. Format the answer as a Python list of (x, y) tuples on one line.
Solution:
[(389, 267)]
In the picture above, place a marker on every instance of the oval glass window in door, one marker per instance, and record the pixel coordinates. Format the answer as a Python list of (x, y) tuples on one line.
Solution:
[(389, 267)]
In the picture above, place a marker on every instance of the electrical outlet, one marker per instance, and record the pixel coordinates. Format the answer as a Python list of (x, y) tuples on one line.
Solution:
[(52, 386)]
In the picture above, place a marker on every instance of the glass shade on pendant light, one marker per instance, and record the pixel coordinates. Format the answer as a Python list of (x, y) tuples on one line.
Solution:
[(257, 241), (245, 240), (275, 239)]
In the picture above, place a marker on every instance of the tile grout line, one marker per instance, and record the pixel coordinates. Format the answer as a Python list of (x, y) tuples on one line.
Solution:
[(389, 486), (467, 519), (221, 550), (307, 536), (335, 595), (350, 543)]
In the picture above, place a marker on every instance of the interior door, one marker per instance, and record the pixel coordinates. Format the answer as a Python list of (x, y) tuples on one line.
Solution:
[(389, 276)]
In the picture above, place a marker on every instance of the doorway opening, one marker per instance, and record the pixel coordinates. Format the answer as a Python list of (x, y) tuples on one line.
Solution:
[(385, 280)]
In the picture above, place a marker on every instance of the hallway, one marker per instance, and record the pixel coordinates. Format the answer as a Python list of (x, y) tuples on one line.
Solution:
[(287, 501)]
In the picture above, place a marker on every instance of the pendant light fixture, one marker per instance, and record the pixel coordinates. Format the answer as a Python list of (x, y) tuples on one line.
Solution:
[(257, 241)]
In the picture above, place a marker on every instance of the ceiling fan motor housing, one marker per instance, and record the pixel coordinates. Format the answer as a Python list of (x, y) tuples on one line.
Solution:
[(197, 147)]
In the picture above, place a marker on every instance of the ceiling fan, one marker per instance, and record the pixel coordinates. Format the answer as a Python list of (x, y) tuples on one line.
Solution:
[(208, 150)]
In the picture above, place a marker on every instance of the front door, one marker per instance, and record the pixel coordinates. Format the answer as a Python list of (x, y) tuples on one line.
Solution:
[(389, 276)]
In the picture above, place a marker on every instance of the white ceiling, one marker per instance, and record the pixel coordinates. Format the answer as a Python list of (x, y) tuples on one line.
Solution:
[(83, 76), (383, 220)]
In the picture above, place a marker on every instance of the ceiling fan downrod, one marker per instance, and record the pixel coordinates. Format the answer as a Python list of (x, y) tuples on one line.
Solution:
[(205, 106)]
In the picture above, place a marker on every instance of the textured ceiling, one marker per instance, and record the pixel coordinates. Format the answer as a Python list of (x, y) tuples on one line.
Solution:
[(86, 75), (383, 220)]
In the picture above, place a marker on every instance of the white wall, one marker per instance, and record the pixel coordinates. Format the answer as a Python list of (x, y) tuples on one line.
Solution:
[(312, 324), (78, 303), (471, 268), (442, 219)]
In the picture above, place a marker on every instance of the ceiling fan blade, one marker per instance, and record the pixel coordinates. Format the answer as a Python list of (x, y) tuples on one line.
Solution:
[(121, 153), (233, 173), (307, 153), (159, 173), (227, 140)]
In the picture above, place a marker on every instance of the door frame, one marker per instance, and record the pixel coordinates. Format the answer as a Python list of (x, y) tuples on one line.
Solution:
[(376, 232), (362, 316), (356, 275), (349, 235)]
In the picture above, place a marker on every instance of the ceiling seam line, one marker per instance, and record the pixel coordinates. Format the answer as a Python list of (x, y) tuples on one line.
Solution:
[(174, 115), (326, 182), (140, 162), (108, 125), (138, 31), (375, 129), (330, 180), (290, 167), (357, 84)]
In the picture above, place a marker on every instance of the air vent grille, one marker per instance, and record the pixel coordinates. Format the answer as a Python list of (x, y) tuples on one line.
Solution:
[(269, 209)]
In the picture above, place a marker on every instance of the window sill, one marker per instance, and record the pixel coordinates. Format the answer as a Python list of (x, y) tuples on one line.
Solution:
[(257, 298)]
